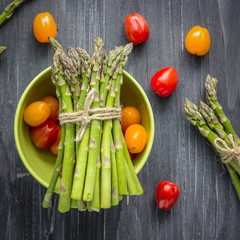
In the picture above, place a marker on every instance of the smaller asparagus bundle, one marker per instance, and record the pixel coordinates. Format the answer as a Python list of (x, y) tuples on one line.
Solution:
[(211, 96), (216, 127), (97, 168)]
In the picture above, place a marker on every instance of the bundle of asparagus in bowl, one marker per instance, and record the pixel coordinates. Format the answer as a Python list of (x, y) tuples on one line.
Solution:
[(96, 167)]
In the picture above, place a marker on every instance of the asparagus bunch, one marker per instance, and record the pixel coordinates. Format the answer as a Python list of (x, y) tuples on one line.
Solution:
[(97, 170), (214, 124)]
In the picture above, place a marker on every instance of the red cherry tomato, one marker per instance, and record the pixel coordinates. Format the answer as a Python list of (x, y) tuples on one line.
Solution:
[(136, 28), (44, 135), (164, 81), (166, 195)]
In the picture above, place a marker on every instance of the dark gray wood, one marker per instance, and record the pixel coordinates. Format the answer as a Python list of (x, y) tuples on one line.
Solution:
[(208, 207)]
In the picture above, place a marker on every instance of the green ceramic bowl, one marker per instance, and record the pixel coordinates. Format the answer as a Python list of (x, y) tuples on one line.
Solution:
[(39, 162)]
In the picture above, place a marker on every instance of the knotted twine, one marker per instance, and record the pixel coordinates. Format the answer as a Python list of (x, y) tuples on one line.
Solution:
[(227, 153), (86, 115)]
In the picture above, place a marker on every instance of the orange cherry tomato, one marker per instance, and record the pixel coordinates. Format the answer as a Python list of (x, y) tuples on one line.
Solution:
[(36, 113), (54, 106), (198, 41), (54, 147), (130, 115), (136, 138), (44, 26)]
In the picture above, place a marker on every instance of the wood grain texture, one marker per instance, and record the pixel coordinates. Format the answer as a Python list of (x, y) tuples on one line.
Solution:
[(208, 207)]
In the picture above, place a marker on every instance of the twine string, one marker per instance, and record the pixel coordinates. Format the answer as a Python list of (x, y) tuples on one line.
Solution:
[(86, 115), (227, 153)]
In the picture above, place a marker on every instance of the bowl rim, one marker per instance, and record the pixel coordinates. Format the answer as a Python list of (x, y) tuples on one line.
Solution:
[(33, 82)]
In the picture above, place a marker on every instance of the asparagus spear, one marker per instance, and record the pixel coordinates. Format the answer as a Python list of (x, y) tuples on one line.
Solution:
[(55, 74), (88, 205), (58, 164), (211, 96), (86, 73), (71, 74), (55, 45), (132, 188), (214, 124), (81, 205), (119, 140), (114, 177), (213, 121), (112, 63), (76, 74), (117, 103), (95, 203), (131, 169), (8, 11), (71, 70), (95, 132), (82, 154), (74, 203), (235, 179), (69, 146), (194, 116), (106, 151), (2, 49)]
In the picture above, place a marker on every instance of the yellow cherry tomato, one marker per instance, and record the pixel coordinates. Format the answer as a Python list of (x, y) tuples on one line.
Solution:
[(44, 26), (198, 41), (136, 138), (36, 113), (130, 115)]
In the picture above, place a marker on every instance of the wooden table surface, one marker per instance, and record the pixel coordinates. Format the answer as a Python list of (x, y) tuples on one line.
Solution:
[(208, 207)]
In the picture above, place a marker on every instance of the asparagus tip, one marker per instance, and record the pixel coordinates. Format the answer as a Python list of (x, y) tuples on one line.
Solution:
[(128, 49), (192, 112), (211, 88), (2, 49), (55, 44), (73, 55)]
